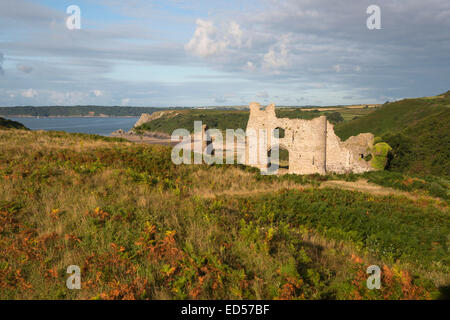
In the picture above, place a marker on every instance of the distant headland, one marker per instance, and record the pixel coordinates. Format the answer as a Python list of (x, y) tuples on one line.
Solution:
[(78, 111)]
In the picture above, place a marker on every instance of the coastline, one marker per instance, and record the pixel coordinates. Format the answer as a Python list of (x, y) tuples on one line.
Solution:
[(79, 116), (149, 139)]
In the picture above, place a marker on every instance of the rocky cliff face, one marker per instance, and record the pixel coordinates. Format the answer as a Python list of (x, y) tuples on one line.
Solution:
[(145, 117)]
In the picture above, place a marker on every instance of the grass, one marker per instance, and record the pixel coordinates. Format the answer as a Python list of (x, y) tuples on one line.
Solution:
[(422, 147), (418, 130), (393, 117), (140, 227), (217, 119), (422, 184)]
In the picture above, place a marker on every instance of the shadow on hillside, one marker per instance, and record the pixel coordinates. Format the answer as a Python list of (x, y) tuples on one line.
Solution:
[(444, 293), (316, 249)]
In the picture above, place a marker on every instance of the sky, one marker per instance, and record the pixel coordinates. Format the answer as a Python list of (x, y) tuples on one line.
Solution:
[(222, 52)]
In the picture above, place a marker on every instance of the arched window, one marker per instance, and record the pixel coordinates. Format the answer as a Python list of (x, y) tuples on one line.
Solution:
[(278, 133)]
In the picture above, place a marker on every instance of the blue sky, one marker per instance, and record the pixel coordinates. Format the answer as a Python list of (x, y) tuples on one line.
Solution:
[(198, 52)]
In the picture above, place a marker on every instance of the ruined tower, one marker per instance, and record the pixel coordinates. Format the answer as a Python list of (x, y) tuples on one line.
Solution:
[(312, 145)]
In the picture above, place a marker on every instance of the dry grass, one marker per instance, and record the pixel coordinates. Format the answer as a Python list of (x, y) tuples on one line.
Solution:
[(362, 185), (141, 228)]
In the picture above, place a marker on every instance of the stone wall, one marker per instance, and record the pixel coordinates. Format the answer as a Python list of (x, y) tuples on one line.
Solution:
[(312, 144)]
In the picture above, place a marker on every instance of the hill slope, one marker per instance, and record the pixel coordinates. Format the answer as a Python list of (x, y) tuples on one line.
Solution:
[(417, 129), (217, 119), (10, 124), (393, 117), (141, 227)]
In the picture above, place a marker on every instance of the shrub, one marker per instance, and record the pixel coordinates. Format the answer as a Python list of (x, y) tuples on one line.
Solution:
[(380, 155)]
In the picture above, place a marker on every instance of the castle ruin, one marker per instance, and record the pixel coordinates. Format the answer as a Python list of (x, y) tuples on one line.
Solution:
[(312, 145)]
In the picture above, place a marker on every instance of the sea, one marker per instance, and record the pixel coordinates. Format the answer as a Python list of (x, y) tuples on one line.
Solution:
[(100, 126)]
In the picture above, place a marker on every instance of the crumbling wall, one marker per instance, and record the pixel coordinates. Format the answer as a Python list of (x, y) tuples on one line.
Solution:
[(312, 144)]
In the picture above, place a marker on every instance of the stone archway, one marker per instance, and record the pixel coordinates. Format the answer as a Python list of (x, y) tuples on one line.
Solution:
[(283, 161), (279, 133)]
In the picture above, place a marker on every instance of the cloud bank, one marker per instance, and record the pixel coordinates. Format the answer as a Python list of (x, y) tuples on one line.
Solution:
[(188, 53)]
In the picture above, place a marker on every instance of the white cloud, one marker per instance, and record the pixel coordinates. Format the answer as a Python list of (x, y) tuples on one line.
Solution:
[(208, 40), (67, 98), (249, 66), (97, 93), (234, 39), (125, 101), (203, 43), (235, 35), (30, 93), (278, 55)]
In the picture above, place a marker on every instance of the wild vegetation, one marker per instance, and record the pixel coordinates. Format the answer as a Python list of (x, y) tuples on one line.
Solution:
[(140, 227), (418, 130), (332, 116), (217, 119), (10, 124)]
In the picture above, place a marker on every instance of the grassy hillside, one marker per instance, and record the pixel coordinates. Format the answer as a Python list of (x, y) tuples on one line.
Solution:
[(423, 147), (10, 124), (237, 119), (393, 117), (217, 119), (140, 227), (418, 130)]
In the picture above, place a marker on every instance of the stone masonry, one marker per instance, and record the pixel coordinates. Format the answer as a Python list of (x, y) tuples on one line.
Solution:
[(312, 144)]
